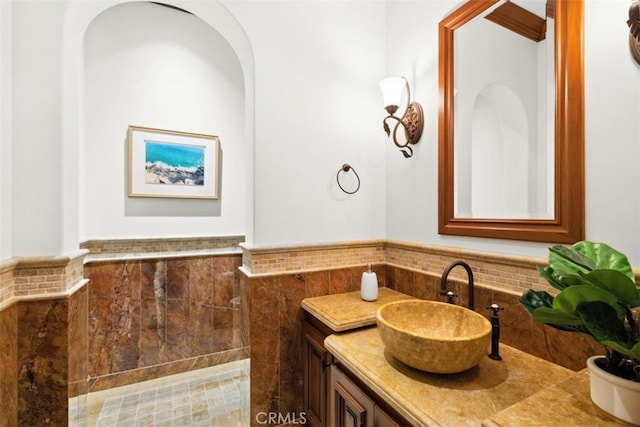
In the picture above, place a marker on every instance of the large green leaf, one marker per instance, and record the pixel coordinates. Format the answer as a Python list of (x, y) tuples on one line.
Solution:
[(556, 317), (576, 261), (560, 279), (617, 283), (566, 265), (549, 275), (531, 300), (605, 257), (603, 323), (572, 297)]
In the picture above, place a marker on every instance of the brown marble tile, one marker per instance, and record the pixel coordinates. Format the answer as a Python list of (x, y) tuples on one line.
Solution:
[(150, 312), (113, 321), (78, 342), (43, 363), (98, 327), (153, 280), (242, 316), (265, 341), (222, 332), (343, 280), (201, 281), (8, 366), (123, 333), (177, 328), (401, 280), (569, 349), (518, 329), (153, 313), (153, 333), (317, 283), (200, 329), (223, 280), (178, 285), (426, 287), (101, 277), (292, 292)]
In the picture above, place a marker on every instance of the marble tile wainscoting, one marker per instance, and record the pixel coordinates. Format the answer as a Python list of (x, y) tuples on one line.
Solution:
[(279, 279), (163, 314), (74, 324), (43, 338)]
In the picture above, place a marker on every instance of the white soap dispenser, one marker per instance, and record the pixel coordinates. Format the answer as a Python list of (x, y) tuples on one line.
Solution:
[(369, 285)]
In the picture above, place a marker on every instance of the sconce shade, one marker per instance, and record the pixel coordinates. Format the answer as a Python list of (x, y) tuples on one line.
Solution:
[(392, 90)]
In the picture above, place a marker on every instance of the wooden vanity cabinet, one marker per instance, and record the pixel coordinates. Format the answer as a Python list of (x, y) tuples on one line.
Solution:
[(331, 397)]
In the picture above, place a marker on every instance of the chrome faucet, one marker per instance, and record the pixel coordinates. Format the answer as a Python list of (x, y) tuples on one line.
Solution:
[(445, 274)]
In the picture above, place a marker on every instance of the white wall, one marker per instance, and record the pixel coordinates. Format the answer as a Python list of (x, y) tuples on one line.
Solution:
[(36, 136), (148, 65), (318, 106), (5, 129), (613, 134), (612, 131)]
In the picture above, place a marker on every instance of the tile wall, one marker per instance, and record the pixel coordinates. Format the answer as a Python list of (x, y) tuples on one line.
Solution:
[(84, 322), (154, 317), (158, 313)]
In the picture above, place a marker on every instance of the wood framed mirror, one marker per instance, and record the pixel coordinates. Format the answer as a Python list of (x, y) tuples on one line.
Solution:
[(565, 220)]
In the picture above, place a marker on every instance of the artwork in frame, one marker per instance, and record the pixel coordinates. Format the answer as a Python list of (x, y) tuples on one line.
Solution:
[(173, 164)]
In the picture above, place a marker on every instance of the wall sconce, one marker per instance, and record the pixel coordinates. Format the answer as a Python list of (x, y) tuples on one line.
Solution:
[(634, 30), (412, 121)]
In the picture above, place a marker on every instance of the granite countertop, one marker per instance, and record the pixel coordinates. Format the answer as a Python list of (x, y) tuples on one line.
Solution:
[(427, 399), (567, 403), (520, 388), (347, 311)]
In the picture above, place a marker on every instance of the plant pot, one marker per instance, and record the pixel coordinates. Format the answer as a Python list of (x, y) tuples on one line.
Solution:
[(614, 395)]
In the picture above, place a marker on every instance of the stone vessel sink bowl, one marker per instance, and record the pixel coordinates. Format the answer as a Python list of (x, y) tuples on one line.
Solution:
[(434, 336)]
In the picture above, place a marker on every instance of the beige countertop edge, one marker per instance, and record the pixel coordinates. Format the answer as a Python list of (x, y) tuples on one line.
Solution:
[(334, 326)]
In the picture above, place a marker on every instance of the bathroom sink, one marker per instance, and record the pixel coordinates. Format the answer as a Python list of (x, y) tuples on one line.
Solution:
[(434, 336)]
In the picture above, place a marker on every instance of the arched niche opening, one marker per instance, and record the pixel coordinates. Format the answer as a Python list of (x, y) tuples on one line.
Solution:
[(90, 105)]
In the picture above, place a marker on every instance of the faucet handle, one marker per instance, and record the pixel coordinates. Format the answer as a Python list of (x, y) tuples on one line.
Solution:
[(450, 296), (495, 308)]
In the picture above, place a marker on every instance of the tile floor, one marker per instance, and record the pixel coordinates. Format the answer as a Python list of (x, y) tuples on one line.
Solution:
[(216, 396)]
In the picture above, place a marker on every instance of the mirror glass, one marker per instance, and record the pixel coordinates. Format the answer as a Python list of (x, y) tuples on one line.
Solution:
[(507, 142), (503, 113)]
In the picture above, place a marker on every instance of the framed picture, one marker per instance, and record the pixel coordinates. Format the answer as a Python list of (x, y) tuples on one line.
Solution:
[(166, 163)]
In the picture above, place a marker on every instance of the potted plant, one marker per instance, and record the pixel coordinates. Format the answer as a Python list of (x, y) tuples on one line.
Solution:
[(598, 297)]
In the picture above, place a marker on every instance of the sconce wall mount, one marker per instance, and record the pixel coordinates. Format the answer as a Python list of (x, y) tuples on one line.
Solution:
[(412, 121)]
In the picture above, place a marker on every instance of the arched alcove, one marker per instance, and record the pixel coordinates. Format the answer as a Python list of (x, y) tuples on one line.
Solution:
[(140, 63), (78, 20)]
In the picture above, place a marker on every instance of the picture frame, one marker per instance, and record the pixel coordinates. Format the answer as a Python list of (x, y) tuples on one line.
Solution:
[(173, 164)]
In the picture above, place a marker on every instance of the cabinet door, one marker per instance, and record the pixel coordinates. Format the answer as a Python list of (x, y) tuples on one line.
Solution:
[(349, 412), (316, 377), (350, 406)]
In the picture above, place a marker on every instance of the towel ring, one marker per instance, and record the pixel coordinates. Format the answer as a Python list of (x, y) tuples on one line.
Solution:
[(346, 168)]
